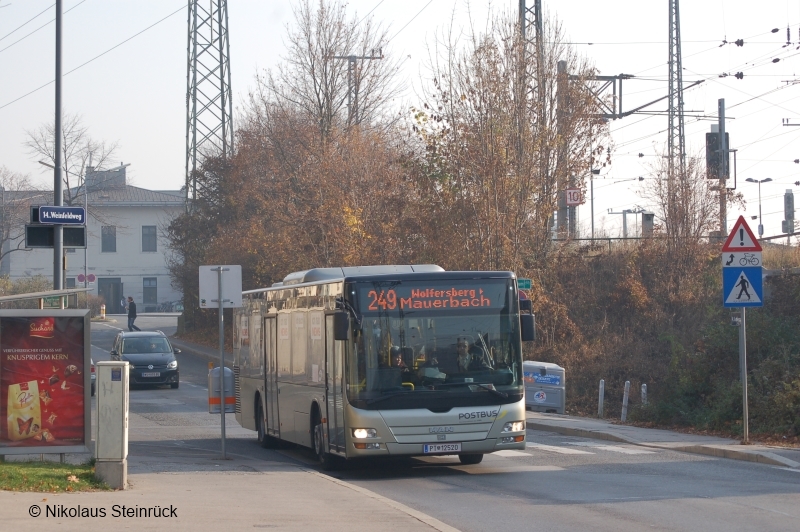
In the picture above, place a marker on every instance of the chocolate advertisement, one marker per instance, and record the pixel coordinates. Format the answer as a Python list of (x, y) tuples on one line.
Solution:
[(42, 379)]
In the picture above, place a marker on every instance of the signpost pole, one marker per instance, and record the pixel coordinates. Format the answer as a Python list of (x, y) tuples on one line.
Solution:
[(743, 373), (221, 361), (58, 194)]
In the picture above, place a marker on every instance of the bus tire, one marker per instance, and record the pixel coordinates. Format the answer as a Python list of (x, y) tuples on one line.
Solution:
[(261, 430), (326, 461), (470, 459)]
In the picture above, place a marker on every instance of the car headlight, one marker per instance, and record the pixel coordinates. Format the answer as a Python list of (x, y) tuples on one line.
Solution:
[(514, 426), (365, 433), (173, 365)]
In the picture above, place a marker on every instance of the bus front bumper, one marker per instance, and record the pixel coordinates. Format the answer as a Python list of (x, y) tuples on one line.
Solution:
[(488, 445)]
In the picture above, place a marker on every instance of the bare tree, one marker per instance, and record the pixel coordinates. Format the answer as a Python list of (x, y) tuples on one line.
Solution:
[(79, 151), (17, 194), (689, 206), (497, 147), (313, 79)]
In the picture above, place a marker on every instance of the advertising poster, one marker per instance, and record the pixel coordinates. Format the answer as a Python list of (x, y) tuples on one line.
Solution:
[(42, 377)]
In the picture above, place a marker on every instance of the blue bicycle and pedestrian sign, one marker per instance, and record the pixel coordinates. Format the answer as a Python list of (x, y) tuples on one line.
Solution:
[(741, 268), (742, 287)]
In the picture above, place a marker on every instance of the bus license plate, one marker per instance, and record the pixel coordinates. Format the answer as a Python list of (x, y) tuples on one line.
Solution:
[(151, 374), (434, 448)]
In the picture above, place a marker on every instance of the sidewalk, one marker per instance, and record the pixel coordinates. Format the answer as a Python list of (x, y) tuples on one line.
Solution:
[(603, 430), (201, 493), (171, 472), (664, 439)]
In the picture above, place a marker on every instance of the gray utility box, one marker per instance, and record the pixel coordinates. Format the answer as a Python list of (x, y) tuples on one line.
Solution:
[(544, 387)]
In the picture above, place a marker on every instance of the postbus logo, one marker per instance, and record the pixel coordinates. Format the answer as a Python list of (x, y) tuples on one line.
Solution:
[(42, 327)]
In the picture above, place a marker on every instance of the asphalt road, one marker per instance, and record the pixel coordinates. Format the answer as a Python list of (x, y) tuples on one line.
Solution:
[(557, 483)]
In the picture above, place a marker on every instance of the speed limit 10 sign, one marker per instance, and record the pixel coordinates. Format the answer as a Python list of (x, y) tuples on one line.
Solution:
[(574, 197)]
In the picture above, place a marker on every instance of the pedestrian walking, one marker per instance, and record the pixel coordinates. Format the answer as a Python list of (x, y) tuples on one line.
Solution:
[(132, 315)]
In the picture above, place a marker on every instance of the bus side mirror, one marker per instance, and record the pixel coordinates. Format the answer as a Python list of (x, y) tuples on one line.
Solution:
[(341, 326), (526, 305), (527, 325)]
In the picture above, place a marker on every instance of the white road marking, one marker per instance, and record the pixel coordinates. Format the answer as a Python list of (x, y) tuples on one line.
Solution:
[(554, 449), (484, 469), (508, 453), (107, 325), (612, 448)]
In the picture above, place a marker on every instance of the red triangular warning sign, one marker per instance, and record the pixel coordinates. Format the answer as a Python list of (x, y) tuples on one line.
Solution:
[(741, 238)]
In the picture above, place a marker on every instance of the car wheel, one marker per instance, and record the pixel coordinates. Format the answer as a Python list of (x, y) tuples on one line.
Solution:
[(470, 459), (174, 385)]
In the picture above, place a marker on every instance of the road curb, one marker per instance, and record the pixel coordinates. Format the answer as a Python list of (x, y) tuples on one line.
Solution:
[(581, 433), (411, 512), (719, 451), (189, 349)]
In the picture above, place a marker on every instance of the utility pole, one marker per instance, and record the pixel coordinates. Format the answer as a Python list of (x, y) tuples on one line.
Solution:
[(209, 106), (676, 143), (58, 190), (723, 169), (566, 214), (353, 82)]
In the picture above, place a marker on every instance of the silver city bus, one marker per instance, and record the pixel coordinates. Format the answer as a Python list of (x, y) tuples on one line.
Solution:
[(384, 360)]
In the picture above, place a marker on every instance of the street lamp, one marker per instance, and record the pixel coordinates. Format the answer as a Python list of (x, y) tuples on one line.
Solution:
[(759, 181)]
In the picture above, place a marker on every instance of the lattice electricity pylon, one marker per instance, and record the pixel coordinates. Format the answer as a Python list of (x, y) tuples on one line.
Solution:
[(209, 108), (531, 29), (676, 142)]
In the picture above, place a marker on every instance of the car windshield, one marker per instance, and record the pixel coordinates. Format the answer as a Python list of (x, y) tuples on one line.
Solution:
[(430, 345), (156, 344)]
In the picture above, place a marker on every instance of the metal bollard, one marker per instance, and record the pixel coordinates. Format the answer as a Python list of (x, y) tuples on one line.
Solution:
[(102, 312), (600, 398), (625, 401), (644, 394)]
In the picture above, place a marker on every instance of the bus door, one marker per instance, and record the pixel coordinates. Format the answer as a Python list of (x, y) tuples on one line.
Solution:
[(271, 377), (333, 385)]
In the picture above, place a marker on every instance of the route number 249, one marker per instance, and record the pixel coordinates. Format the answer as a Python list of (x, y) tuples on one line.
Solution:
[(384, 300)]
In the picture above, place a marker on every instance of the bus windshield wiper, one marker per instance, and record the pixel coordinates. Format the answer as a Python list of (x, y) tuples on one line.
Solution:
[(387, 396), (491, 388), (487, 387)]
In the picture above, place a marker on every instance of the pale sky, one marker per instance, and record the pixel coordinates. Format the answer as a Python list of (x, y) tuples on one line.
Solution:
[(135, 94)]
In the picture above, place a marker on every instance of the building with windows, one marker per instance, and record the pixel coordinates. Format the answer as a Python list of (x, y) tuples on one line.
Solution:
[(127, 252)]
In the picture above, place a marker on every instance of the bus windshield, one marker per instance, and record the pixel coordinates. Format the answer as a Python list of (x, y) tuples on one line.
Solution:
[(435, 344)]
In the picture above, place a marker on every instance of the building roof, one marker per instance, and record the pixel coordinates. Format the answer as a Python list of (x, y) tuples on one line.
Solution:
[(130, 196)]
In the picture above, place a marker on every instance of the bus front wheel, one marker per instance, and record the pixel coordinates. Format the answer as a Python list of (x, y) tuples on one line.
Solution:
[(326, 460), (470, 459)]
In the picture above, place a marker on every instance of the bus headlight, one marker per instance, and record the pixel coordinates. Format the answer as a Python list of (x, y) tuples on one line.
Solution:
[(514, 426), (365, 433)]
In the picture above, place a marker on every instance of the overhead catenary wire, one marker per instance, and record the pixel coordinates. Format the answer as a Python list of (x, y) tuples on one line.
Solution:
[(410, 21), (37, 29), (27, 21), (94, 58)]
